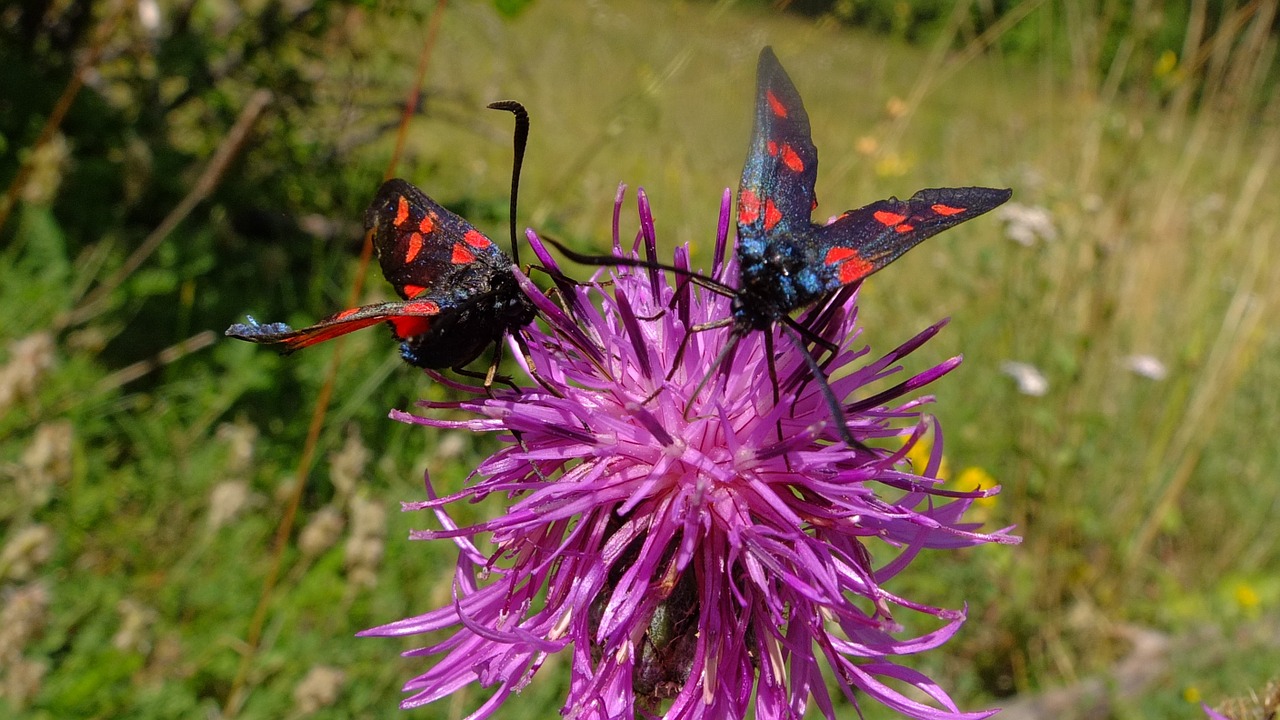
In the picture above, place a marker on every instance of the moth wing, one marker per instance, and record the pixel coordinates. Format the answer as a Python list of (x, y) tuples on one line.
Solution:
[(776, 194), (863, 241), (407, 319), (424, 248)]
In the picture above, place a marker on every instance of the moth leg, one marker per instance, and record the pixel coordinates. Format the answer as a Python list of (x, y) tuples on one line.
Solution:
[(680, 349), (493, 365), (773, 378), (833, 404), (716, 364), (489, 378), (563, 289), (650, 318), (810, 336), (493, 375), (684, 342), (488, 385), (533, 368), (829, 352), (681, 285)]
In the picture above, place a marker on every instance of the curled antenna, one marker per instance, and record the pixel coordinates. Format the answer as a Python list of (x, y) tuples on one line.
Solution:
[(521, 138)]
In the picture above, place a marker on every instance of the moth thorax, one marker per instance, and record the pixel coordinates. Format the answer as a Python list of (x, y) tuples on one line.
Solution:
[(768, 289)]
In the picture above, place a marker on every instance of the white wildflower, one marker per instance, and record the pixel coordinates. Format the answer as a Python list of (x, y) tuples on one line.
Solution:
[(1027, 224), (1029, 378), (1148, 366)]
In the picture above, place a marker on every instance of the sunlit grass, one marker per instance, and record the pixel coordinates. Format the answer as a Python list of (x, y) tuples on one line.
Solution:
[(1143, 502)]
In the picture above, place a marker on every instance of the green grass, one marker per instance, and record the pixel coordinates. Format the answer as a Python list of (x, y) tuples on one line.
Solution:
[(1142, 503)]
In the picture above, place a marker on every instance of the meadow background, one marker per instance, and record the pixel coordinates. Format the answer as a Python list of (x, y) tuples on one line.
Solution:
[(170, 166)]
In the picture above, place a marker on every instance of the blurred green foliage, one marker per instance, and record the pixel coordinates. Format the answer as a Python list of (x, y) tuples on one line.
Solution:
[(1151, 30), (1144, 502), (156, 107)]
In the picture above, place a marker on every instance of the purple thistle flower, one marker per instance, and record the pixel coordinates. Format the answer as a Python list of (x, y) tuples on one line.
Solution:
[(691, 553)]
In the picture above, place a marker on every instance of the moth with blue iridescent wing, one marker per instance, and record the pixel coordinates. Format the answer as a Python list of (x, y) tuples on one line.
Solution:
[(786, 262)]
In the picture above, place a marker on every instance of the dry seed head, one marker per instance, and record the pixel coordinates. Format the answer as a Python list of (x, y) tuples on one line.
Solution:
[(318, 690), (27, 550)]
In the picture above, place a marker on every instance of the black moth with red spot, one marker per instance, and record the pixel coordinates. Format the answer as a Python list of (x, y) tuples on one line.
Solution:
[(785, 261), (458, 288)]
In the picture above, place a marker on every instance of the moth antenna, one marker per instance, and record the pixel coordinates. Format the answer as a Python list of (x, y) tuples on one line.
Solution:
[(520, 140), (714, 286)]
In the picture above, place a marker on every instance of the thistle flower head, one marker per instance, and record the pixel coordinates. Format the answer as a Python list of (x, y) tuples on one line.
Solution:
[(693, 555)]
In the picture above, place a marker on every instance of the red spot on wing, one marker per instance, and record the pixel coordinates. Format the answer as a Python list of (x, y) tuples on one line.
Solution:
[(772, 216), (775, 104), (461, 255), (854, 269), (791, 159), (946, 209), (423, 307), (884, 217), (839, 254), (905, 228), (476, 239), (328, 330), (402, 212), (427, 224), (772, 147), (748, 207), (407, 327), (414, 290), (415, 247), (416, 320)]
